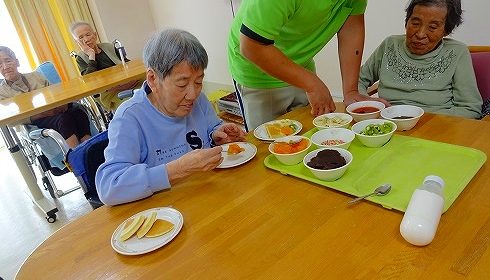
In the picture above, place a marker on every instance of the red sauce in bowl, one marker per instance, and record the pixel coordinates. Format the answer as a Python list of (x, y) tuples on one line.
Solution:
[(365, 110)]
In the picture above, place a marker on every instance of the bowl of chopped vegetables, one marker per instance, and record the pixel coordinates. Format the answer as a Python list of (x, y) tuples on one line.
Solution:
[(374, 132), (331, 120), (333, 137), (290, 150)]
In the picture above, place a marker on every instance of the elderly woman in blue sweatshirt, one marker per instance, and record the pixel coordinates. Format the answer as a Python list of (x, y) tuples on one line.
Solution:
[(168, 129)]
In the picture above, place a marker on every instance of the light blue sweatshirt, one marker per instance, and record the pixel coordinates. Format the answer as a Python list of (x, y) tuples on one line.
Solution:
[(142, 140)]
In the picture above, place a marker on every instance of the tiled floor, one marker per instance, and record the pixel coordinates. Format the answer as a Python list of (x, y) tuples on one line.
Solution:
[(22, 225)]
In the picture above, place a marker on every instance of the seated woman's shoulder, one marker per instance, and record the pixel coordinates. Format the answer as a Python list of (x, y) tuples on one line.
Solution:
[(454, 43), (394, 40), (134, 105), (396, 37)]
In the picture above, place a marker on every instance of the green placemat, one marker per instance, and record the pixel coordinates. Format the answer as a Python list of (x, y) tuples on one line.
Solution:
[(403, 162)]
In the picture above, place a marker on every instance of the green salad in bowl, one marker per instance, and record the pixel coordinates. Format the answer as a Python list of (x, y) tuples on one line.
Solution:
[(374, 132), (377, 129)]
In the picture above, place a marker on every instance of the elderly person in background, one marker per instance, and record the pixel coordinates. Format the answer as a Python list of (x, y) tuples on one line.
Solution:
[(71, 122), (94, 57), (168, 129), (423, 68)]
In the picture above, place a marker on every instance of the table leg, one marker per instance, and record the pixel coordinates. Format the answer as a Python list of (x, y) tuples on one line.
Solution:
[(27, 173)]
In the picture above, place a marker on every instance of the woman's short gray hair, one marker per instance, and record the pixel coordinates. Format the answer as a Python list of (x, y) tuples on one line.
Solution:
[(170, 47), (8, 51), (76, 24)]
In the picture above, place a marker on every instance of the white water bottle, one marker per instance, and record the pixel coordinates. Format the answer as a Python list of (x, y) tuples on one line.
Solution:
[(419, 224), (122, 52)]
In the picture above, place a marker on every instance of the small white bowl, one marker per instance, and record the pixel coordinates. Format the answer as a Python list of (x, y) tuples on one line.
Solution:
[(412, 112), (373, 141), (329, 174), (332, 120), (294, 158), (365, 104), (337, 133)]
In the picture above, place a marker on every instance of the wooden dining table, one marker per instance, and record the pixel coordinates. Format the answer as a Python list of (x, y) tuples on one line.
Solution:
[(25, 105), (20, 107), (251, 222)]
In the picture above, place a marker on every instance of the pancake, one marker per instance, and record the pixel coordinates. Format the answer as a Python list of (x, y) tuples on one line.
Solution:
[(160, 227)]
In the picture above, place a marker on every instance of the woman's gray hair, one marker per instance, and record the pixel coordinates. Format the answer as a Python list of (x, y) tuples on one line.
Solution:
[(8, 51), (170, 47), (76, 24)]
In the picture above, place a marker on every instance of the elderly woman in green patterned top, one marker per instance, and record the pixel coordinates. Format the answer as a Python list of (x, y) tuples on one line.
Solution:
[(423, 68)]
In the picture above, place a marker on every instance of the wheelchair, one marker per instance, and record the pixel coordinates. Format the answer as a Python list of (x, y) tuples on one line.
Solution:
[(82, 160), (47, 150)]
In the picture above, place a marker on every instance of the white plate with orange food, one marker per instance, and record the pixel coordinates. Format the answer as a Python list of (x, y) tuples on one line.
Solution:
[(147, 231), (237, 153), (272, 130)]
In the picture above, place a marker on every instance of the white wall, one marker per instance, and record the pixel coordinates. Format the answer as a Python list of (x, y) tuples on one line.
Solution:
[(210, 20), (382, 18), (129, 21)]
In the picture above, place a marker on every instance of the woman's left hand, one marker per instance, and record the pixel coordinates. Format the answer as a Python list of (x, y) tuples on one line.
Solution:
[(228, 132)]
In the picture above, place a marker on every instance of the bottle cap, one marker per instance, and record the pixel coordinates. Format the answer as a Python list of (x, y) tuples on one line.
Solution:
[(436, 179)]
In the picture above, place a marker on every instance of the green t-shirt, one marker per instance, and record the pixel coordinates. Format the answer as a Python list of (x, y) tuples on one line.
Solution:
[(299, 28)]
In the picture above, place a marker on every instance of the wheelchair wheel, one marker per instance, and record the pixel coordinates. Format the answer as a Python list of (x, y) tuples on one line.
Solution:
[(51, 218), (47, 186)]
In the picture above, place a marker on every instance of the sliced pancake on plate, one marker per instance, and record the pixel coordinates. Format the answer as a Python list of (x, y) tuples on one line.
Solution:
[(160, 227)]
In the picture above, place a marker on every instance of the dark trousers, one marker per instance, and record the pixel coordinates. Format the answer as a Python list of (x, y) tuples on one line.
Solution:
[(73, 121)]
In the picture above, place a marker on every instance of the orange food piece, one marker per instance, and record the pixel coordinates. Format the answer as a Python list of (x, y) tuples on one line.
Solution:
[(301, 145), (290, 148), (234, 149), (287, 130), (276, 130), (282, 148)]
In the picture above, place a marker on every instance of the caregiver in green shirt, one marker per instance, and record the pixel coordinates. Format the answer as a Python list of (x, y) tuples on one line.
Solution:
[(423, 68), (271, 48)]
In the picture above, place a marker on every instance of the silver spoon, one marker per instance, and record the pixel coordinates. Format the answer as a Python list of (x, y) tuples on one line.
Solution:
[(381, 190)]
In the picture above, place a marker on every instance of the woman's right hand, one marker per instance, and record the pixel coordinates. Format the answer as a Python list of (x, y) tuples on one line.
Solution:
[(86, 49), (195, 161)]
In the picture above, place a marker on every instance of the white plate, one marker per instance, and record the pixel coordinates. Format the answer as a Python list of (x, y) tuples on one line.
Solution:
[(241, 158), (261, 133), (135, 246)]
